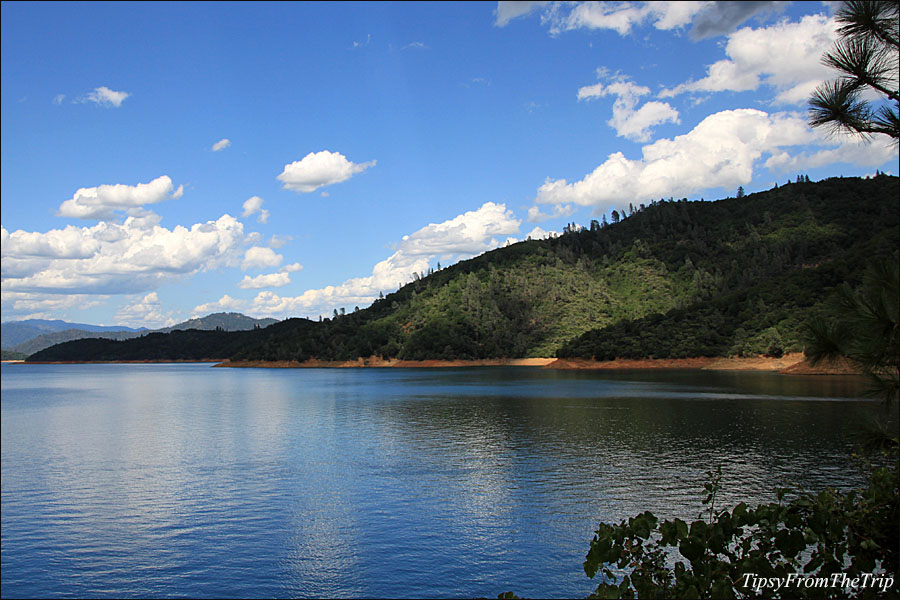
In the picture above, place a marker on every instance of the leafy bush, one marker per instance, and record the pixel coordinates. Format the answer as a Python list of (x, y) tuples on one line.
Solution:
[(816, 544)]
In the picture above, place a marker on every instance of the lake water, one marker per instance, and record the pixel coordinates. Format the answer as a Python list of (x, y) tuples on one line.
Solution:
[(184, 480)]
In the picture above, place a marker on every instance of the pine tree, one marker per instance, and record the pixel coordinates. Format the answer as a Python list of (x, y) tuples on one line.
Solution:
[(866, 56)]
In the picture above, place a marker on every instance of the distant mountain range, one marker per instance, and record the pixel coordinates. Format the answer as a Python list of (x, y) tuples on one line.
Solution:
[(32, 335)]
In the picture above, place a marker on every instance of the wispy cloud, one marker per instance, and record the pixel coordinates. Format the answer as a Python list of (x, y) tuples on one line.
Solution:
[(105, 97), (221, 145)]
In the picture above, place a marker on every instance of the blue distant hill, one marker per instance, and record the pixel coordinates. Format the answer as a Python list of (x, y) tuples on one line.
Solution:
[(14, 333), (33, 335)]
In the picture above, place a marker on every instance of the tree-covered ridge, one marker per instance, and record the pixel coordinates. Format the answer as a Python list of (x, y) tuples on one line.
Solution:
[(673, 278)]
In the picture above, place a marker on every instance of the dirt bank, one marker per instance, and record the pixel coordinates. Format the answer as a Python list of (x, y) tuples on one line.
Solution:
[(375, 361), (756, 363), (839, 366)]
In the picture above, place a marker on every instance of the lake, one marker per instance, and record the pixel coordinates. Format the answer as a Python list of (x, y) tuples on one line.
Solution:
[(185, 480)]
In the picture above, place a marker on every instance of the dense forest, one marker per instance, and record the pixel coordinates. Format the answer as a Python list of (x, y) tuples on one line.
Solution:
[(669, 278)]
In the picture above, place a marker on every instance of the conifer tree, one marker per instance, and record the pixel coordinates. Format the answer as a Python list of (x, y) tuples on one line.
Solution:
[(866, 56)]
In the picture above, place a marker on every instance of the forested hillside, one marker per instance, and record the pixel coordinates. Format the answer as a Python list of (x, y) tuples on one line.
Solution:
[(672, 279)]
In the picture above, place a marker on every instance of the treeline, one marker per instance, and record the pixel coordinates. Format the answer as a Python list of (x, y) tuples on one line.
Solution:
[(673, 278)]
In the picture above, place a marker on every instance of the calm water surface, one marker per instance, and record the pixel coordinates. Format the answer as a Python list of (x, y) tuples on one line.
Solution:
[(184, 480)]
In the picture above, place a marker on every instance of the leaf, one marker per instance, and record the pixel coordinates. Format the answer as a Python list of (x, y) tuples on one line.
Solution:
[(691, 548)]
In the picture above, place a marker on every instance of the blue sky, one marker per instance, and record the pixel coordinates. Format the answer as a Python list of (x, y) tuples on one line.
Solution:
[(162, 161)]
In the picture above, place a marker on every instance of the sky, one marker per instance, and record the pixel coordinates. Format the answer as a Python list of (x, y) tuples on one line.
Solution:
[(162, 161)]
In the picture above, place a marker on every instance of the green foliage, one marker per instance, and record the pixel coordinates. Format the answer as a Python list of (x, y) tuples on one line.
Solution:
[(865, 57), (733, 554), (863, 326)]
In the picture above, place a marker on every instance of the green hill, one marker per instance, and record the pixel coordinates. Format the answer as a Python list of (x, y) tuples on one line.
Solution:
[(675, 278)]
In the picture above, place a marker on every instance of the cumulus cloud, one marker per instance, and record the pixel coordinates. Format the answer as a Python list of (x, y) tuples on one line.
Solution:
[(278, 279), (259, 257), (103, 201), (57, 243), (799, 47), (539, 233), (224, 304), (221, 145), (144, 312), (629, 121), (721, 151), (105, 97), (110, 258), (463, 236), (318, 169), (265, 281), (253, 205)]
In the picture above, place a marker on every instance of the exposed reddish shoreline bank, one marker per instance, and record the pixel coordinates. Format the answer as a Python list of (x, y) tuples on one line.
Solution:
[(791, 364), (378, 362)]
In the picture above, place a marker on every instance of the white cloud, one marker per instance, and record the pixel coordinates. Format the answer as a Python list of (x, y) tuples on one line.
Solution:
[(559, 210), (708, 18), (850, 150), (265, 281), (106, 97), (24, 305), (259, 257), (463, 236), (221, 145), (620, 17), (794, 74), (719, 152), (507, 11), (109, 258), (539, 233), (144, 312), (252, 206), (57, 243), (224, 304), (278, 279), (277, 241), (103, 201), (319, 169), (58, 99), (629, 121)]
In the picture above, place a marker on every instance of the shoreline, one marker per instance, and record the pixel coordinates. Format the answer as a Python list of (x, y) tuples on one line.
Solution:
[(789, 364), (148, 361), (377, 362)]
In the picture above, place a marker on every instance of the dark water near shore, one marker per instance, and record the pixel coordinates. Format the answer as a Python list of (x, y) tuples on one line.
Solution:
[(183, 480)]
